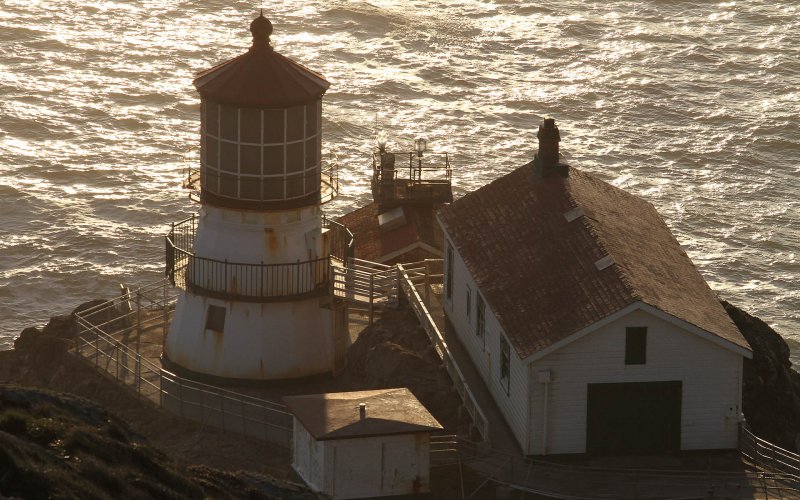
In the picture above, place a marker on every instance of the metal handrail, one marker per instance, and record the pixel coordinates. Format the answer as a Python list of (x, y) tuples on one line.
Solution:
[(416, 168), (440, 346)]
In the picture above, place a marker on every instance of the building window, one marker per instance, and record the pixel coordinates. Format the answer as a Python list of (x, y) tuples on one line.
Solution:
[(636, 345), (480, 307), (215, 318), (449, 281), (469, 305), (505, 365)]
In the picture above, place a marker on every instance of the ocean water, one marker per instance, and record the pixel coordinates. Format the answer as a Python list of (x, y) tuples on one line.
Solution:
[(693, 105)]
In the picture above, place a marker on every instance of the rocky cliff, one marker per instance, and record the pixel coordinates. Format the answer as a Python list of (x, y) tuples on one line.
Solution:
[(771, 391)]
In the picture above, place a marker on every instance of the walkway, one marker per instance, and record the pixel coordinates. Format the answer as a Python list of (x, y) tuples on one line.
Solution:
[(500, 436)]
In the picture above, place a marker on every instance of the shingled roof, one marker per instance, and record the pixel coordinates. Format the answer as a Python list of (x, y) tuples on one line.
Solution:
[(261, 77), (371, 243), (554, 255)]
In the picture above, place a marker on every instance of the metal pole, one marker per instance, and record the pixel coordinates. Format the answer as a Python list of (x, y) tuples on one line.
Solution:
[(138, 319), (371, 296)]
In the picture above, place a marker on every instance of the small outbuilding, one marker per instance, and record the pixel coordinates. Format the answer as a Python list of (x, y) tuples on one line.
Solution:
[(362, 444)]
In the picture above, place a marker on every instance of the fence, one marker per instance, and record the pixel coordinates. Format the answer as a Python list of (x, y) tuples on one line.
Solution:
[(555, 480), (767, 456), (105, 335), (410, 292)]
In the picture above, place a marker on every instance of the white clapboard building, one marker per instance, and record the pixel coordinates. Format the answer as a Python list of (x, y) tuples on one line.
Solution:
[(589, 324), (362, 444)]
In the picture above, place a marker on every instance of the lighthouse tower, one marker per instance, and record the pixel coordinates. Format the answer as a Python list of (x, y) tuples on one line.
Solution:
[(255, 265)]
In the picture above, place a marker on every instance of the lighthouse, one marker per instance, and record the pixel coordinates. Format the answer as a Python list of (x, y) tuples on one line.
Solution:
[(255, 267)]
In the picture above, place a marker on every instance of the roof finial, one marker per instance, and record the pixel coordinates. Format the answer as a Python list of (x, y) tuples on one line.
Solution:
[(261, 29)]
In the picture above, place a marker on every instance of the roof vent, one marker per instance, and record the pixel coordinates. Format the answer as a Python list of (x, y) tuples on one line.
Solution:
[(605, 262), (392, 219), (362, 411), (573, 214)]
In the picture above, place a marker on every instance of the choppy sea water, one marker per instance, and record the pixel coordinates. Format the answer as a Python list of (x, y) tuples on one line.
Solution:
[(692, 105)]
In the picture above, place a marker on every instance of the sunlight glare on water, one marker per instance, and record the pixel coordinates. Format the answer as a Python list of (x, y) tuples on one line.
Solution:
[(692, 105)]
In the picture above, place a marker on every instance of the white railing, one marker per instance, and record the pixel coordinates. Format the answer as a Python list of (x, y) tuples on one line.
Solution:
[(106, 333), (557, 480), (411, 293), (767, 456)]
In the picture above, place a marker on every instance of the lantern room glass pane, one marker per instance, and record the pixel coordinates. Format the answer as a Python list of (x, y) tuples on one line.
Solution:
[(273, 188), (295, 123), (273, 126), (312, 112), (294, 186), (229, 185), (250, 123), (250, 188), (312, 181), (311, 152), (273, 160), (230, 123), (250, 160), (212, 117), (294, 157), (230, 157), (212, 152), (209, 179)]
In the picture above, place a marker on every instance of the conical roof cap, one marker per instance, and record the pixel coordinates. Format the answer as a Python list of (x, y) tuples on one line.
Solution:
[(261, 78)]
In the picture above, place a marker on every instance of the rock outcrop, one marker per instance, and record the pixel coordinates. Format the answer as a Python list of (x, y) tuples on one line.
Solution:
[(61, 446), (771, 389)]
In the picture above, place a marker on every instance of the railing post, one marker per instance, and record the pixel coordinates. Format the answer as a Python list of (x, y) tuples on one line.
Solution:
[(160, 389), (165, 313), (138, 319), (427, 282), (180, 394), (138, 373), (371, 296)]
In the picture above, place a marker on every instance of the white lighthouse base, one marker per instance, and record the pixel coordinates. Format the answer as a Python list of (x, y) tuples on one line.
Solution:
[(258, 341)]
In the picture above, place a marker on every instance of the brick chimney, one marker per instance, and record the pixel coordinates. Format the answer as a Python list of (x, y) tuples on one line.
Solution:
[(547, 163)]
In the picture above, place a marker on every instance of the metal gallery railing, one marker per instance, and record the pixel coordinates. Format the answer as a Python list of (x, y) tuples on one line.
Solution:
[(248, 281), (109, 339)]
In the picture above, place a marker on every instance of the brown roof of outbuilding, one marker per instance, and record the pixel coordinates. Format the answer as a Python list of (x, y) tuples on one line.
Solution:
[(261, 77), (336, 415), (371, 243), (539, 272)]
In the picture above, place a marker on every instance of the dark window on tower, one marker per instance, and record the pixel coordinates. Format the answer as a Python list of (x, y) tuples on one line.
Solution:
[(636, 345), (215, 318), (212, 118)]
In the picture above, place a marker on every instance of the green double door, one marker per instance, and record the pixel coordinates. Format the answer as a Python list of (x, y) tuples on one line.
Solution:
[(634, 418)]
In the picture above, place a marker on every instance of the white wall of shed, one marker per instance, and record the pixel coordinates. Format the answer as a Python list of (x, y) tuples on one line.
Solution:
[(308, 457), (486, 353), (377, 466), (711, 377)]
